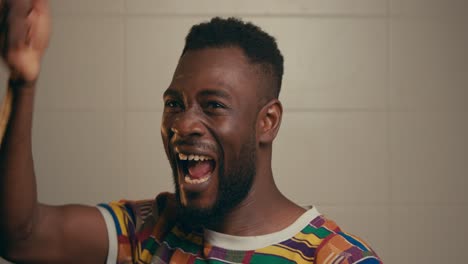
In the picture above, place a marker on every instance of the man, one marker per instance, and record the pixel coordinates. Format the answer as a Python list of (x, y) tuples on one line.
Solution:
[(221, 115)]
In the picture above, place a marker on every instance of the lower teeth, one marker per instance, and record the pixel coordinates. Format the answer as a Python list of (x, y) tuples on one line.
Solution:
[(195, 181)]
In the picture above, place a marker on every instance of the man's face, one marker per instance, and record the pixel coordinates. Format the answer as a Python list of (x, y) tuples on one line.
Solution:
[(208, 130)]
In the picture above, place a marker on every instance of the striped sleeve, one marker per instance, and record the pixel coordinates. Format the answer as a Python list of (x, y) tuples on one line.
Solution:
[(345, 248), (135, 227), (111, 235), (120, 221)]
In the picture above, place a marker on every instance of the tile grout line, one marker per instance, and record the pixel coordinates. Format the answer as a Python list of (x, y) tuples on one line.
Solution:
[(336, 15), (124, 90), (388, 101), (286, 110), (388, 83)]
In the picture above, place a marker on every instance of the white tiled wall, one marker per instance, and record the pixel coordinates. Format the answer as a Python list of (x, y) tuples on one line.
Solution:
[(376, 110)]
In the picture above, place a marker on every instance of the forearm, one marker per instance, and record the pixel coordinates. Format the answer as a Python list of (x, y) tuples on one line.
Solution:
[(31, 232), (18, 196)]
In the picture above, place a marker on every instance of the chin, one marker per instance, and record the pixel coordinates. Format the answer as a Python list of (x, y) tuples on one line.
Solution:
[(196, 213), (197, 201)]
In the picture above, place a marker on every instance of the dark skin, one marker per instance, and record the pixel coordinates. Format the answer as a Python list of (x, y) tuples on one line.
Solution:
[(219, 98), (38, 233), (31, 232)]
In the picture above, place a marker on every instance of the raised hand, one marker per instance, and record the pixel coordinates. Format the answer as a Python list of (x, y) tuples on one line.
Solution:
[(24, 36)]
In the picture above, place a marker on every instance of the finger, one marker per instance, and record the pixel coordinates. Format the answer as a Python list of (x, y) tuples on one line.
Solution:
[(17, 32), (20, 6), (32, 22), (18, 25)]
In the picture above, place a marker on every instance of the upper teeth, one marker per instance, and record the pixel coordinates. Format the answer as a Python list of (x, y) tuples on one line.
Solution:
[(193, 157)]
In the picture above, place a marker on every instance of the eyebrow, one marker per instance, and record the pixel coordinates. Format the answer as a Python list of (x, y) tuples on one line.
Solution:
[(206, 92), (213, 92), (171, 92)]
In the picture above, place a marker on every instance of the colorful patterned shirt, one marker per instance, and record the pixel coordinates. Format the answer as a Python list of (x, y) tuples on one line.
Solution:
[(148, 232)]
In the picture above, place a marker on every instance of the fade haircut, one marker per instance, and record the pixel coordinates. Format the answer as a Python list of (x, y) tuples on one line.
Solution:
[(259, 47)]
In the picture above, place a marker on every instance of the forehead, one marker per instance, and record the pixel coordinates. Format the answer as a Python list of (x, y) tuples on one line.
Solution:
[(216, 68)]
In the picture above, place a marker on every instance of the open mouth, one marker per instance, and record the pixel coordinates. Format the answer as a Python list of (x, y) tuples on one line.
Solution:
[(195, 168)]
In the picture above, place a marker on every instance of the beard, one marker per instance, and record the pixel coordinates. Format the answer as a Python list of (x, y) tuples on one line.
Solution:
[(234, 185)]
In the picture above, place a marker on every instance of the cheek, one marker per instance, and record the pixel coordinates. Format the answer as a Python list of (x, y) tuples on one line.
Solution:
[(230, 133), (233, 135)]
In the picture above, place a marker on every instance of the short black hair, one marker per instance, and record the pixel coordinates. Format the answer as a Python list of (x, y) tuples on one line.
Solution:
[(259, 47)]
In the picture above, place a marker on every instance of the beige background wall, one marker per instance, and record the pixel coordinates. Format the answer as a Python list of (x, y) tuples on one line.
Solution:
[(375, 95)]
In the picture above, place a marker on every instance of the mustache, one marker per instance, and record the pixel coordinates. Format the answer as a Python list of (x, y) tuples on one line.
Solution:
[(194, 143)]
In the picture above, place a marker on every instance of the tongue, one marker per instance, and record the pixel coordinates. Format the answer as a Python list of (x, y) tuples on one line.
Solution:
[(198, 169)]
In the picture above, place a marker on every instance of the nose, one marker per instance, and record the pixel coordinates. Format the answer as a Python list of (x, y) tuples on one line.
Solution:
[(188, 124)]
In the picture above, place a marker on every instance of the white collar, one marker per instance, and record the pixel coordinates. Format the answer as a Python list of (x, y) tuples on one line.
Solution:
[(245, 243)]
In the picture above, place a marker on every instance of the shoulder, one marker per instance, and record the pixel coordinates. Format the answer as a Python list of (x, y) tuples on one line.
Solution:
[(131, 223), (140, 213), (341, 247)]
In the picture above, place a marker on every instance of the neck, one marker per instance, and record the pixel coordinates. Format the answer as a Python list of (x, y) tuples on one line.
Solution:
[(254, 215)]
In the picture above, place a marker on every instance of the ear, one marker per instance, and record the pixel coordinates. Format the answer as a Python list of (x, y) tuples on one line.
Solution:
[(269, 121)]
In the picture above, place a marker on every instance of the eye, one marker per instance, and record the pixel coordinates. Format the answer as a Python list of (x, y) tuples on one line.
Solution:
[(172, 105), (215, 105)]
